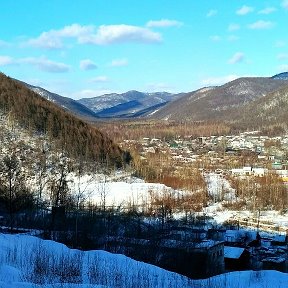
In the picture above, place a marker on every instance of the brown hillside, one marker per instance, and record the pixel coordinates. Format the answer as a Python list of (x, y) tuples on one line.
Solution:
[(77, 137), (269, 112), (215, 102)]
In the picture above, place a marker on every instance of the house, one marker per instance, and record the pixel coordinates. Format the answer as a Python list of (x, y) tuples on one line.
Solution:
[(274, 263), (236, 258), (247, 170), (200, 259), (241, 238), (259, 172)]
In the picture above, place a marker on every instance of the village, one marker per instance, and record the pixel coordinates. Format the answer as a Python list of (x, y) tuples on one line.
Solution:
[(247, 154), (245, 240)]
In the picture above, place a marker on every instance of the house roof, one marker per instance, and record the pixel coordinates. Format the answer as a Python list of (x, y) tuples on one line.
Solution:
[(233, 252)]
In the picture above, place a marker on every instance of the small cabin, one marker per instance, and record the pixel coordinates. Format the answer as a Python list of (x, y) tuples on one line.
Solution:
[(236, 258)]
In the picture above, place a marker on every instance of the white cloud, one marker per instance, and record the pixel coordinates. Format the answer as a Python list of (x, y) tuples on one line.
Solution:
[(119, 62), (233, 27), (283, 68), (110, 34), (267, 10), (90, 93), (87, 64), (53, 38), (6, 60), (4, 44), (280, 44), (260, 25), (244, 10), (41, 63), (103, 35), (214, 81), (211, 13), (99, 79), (159, 87), (232, 38), (163, 23), (285, 4), (215, 38), (45, 64), (282, 56), (236, 58)]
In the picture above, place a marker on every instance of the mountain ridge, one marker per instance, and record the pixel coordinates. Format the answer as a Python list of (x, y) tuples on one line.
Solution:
[(103, 105), (66, 103), (212, 102)]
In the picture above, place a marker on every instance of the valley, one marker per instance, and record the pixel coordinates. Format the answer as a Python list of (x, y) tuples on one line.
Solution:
[(144, 144), (164, 192)]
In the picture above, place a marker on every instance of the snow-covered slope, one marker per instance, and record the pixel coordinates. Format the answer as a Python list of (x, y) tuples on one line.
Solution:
[(281, 76), (129, 104), (27, 261), (66, 103), (216, 102)]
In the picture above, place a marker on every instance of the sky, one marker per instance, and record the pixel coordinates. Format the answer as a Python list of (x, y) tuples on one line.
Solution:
[(87, 48)]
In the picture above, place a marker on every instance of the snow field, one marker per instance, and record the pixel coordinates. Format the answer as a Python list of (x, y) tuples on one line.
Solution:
[(27, 261)]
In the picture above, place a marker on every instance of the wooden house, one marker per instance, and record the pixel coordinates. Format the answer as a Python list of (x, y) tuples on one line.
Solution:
[(236, 258)]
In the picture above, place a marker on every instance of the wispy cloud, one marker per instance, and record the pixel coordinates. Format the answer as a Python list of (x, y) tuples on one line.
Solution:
[(87, 64), (282, 68), (268, 10), (41, 63), (285, 4), (163, 23), (260, 25), (213, 81), (212, 13), (215, 38), (159, 87), (45, 64), (119, 62), (244, 10), (280, 44), (6, 60), (99, 79), (282, 56), (233, 27), (103, 35), (90, 93), (232, 38), (4, 44), (236, 58)]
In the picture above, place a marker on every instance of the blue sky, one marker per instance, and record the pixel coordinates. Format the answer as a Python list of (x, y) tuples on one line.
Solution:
[(91, 47)]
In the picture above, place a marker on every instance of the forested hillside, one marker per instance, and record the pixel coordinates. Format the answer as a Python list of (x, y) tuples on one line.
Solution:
[(75, 136)]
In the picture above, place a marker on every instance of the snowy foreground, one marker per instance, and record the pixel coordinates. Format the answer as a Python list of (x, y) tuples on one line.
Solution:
[(26, 261)]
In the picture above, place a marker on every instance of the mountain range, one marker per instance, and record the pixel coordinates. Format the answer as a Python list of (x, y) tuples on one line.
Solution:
[(127, 105), (244, 100)]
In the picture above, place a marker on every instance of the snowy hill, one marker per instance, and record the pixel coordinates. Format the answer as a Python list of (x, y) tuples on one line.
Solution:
[(27, 261), (217, 102), (281, 76), (129, 104)]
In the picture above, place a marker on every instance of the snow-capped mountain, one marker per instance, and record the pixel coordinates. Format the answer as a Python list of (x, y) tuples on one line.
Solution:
[(129, 104), (281, 76)]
